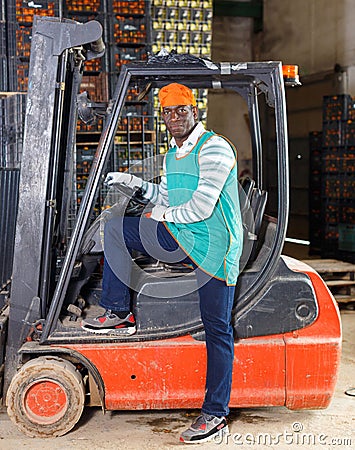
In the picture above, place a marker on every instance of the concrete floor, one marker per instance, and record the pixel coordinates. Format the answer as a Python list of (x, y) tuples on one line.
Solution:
[(333, 428)]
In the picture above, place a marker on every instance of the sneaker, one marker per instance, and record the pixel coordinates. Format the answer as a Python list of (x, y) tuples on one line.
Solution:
[(205, 428), (109, 323)]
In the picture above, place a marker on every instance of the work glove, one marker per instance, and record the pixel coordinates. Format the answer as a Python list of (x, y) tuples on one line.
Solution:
[(125, 178), (157, 213)]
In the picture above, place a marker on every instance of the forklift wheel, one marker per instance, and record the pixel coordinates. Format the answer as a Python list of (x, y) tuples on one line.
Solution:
[(46, 397)]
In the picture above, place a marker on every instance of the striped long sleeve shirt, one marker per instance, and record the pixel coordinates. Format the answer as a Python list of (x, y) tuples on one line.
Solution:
[(216, 160)]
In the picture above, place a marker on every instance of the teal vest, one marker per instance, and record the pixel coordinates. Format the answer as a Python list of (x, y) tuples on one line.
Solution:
[(214, 244)]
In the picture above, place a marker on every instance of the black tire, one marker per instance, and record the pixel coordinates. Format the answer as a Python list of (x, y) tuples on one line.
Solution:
[(46, 397)]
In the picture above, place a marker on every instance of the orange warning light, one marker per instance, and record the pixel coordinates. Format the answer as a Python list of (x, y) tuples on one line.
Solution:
[(290, 74)]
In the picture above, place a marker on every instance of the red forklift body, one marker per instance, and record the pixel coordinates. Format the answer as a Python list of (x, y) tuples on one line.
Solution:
[(313, 353), (297, 369)]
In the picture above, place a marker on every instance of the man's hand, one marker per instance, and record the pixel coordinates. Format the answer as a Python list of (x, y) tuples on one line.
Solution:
[(125, 178)]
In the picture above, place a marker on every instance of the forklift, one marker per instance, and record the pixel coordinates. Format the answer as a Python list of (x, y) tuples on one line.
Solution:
[(286, 322)]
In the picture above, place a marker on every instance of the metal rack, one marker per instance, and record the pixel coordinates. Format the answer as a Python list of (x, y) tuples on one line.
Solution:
[(333, 169)]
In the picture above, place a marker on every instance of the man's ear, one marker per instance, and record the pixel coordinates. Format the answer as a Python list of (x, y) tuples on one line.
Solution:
[(195, 112)]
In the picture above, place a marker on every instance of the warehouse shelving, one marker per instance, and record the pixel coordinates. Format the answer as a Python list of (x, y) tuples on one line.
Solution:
[(333, 167), (19, 19), (315, 158), (132, 30)]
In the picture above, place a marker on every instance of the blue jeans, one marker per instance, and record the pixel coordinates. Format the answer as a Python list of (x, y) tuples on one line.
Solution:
[(122, 236)]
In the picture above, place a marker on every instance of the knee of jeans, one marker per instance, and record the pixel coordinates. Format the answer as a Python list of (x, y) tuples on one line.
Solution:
[(216, 324)]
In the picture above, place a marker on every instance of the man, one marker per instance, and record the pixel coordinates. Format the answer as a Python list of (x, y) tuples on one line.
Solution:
[(196, 218)]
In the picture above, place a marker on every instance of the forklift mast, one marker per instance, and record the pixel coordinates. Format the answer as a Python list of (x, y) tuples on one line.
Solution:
[(58, 50)]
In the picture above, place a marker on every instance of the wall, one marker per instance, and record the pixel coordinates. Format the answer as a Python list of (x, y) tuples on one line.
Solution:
[(316, 34)]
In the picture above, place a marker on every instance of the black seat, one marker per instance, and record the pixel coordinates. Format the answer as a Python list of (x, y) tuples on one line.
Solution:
[(247, 184), (252, 205), (258, 205)]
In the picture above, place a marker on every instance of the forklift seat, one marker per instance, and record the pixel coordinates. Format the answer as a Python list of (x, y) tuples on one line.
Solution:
[(258, 205), (247, 184), (252, 206)]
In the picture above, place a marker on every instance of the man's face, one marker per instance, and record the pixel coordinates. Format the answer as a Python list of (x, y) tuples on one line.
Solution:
[(180, 120)]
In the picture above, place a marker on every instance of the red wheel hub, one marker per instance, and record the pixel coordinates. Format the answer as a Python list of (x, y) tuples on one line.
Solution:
[(45, 401)]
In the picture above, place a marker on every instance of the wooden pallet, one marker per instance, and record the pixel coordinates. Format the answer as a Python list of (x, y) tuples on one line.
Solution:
[(339, 277)]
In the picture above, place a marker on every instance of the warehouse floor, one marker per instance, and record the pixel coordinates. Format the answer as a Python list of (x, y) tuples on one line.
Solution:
[(274, 428)]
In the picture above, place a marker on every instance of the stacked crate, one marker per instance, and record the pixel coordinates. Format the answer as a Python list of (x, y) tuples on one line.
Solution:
[(315, 188), (135, 146), (126, 35), (9, 189), (131, 42), (12, 111), (131, 32), (3, 50), (185, 27), (95, 76), (95, 83), (19, 21), (12, 108), (338, 177), (11, 137)]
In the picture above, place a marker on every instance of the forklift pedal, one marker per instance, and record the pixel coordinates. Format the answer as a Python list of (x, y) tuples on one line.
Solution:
[(74, 310)]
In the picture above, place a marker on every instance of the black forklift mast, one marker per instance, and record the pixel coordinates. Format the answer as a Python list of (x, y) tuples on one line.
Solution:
[(58, 50)]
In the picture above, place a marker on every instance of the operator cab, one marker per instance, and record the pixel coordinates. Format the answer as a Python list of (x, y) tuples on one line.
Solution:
[(64, 285), (172, 289), (169, 288)]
